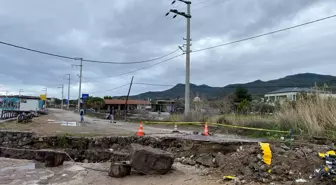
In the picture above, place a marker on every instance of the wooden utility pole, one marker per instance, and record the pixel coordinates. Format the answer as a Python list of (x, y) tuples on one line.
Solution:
[(129, 90)]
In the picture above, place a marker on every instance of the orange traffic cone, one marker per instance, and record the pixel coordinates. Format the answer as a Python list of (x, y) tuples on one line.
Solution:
[(206, 131), (140, 131)]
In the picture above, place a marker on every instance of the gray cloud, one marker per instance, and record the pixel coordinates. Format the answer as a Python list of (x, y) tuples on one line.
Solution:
[(132, 30)]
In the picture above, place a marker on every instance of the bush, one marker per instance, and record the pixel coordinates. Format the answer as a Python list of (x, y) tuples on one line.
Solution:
[(313, 114)]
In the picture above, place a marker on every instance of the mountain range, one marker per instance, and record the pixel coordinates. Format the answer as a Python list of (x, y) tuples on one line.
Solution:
[(257, 88)]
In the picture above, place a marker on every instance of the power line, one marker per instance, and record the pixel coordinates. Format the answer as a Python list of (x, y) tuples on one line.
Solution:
[(111, 89), (135, 62), (225, 44), (84, 60), (265, 34), (37, 51), (171, 58)]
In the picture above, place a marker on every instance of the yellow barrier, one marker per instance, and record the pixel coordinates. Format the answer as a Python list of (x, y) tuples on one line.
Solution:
[(215, 124)]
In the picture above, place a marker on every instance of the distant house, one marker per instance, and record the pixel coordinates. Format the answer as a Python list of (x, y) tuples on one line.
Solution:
[(132, 104), (164, 105), (291, 93)]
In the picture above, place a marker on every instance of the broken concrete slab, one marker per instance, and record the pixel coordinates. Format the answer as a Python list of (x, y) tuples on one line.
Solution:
[(149, 160), (51, 158), (206, 160), (119, 170)]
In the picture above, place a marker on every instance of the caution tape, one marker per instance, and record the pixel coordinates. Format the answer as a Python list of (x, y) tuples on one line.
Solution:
[(216, 124), (172, 122), (249, 128)]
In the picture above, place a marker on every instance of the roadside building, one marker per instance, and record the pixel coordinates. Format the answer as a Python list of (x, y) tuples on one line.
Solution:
[(20, 103), (164, 106), (132, 104), (291, 94)]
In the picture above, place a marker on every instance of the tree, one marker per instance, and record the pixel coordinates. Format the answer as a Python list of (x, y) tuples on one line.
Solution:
[(108, 97), (226, 104), (243, 106), (95, 102), (241, 95)]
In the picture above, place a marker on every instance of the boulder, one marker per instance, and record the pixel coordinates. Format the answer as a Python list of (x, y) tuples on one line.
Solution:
[(206, 160), (119, 170), (149, 160), (220, 159)]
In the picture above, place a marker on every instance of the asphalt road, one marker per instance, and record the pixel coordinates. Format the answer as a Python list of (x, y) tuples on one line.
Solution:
[(70, 120)]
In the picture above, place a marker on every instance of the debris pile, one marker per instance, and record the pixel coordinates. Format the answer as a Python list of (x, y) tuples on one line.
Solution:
[(254, 164)]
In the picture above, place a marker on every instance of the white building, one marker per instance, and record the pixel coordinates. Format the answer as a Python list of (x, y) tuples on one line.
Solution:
[(290, 94)]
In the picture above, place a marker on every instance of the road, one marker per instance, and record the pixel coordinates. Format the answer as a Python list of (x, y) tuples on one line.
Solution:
[(70, 121)]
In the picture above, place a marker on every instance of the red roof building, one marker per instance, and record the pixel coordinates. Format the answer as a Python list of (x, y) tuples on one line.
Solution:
[(131, 104)]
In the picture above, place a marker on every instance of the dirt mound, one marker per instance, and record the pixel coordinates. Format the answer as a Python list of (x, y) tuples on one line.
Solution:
[(289, 163)]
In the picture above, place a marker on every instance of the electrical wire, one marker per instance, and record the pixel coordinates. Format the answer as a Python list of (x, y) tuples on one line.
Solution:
[(135, 62), (171, 58), (37, 51), (228, 43), (111, 89), (85, 60), (265, 34)]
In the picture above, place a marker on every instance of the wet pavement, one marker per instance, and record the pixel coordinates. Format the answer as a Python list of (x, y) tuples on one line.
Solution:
[(25, 172), (20, 172)]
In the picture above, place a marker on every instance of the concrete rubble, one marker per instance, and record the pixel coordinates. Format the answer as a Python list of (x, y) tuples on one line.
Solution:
[(149, 160)]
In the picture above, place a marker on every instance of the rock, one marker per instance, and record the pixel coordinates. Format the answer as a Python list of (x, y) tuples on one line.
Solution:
[(119, 170), (53, 159), (220, 159), (188, 161), (236, 181), (206, 160), (280, 169), (285, 147), (150, 160)]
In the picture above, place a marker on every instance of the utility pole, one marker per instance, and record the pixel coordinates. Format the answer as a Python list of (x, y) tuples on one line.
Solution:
[(129, 90), (80, 81), (68, 90), (62, 86), (188, 39)]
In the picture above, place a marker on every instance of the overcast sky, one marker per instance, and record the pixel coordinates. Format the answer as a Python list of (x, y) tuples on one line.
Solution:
[(133, 30)]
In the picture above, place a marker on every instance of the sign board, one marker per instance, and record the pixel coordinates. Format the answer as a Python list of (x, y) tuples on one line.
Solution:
[(66, 101), (43, 97), (85, 96)]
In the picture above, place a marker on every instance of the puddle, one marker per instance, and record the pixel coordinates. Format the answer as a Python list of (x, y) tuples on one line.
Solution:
[(70, 123), (29, 166)]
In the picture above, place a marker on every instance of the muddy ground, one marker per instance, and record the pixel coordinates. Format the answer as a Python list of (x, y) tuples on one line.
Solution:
[(290, 162)]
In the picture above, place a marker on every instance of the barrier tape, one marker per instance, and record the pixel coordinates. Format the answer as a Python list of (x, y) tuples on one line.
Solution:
[(216, 124)]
